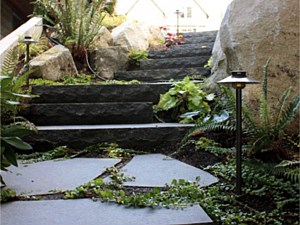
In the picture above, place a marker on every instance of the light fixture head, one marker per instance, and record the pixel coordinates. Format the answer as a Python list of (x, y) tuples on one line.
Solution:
[(28, 40), (238, 79)]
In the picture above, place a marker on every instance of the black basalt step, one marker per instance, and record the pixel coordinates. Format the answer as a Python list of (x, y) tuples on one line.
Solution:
[(182, 62), (89, 113), (162, 74), (186, 50), (144, 137), (144, 92)]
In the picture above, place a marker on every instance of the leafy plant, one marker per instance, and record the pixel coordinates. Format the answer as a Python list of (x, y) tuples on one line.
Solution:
[(187, 100), (179, 194), (290, 169), (213, 147), (7, 194), (267, 132), (11, 131), (135, 57), (77, 22), (266, 199)]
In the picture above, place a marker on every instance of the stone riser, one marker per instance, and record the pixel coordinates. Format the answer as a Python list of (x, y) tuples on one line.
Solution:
[(100, 93), (161, 74), (144, 137), (89, 113), (183, 62), (199, 40), (188, 50)]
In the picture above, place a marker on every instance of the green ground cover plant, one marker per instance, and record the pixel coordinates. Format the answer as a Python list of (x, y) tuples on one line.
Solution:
[(82, 79)]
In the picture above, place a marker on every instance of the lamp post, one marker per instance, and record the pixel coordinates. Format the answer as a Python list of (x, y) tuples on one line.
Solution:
[(27, 40), (238, 80), (178, 13)]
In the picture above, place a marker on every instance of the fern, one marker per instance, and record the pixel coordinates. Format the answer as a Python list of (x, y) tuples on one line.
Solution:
[(77, 21), (9, 63), (289, 169), (270, 126)]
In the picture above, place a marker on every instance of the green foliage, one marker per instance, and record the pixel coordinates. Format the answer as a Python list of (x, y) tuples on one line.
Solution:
[(58, 152), (279, 197), (267, 132), (107, 149), (289, 169), (82, 79), (12, 133), (135, 56), (187, 100), (7, 194), (179, 194), (10, 85), (10, 141), (78, 21), (213, 147), (111, 21)]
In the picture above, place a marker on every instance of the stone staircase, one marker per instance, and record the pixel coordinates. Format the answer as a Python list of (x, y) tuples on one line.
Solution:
[(83, 115)]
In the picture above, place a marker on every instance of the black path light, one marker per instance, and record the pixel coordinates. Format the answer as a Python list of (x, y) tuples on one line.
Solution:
[(27, 40), (238, 80)]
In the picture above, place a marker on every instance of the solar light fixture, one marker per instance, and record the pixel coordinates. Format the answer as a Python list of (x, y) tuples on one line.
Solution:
[(238, 80)]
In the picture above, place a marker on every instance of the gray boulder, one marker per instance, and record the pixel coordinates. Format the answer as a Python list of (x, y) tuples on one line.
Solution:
[(251, 33), (53, 64), (103, 39), (135, 35), (107, 61)]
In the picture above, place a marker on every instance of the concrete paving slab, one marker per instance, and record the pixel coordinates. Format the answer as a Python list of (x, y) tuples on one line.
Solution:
[(156, 170), (87, 212), (42, 177)]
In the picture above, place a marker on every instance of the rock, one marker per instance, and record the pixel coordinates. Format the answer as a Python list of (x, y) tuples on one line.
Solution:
[(135, 35), (53, 64), (103, 39), (251, 33), (107, 61)]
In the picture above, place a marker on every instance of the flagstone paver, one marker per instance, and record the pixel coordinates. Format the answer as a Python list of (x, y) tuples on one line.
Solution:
[(87, 212), (156, 170), (42, 177)]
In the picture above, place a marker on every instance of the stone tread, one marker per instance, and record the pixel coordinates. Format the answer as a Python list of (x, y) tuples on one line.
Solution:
[(143, 92), (162, 74), (179, 62), (188, 50), (145, 137), (89, 113)]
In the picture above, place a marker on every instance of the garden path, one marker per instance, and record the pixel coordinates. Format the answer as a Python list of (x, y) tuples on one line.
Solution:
[(150, 170)]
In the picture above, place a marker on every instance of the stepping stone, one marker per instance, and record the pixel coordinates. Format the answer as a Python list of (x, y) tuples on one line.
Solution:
[(87, 212), (47, 176), (157, 170)]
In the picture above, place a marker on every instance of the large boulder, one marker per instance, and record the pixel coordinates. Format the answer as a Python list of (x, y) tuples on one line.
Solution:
[(107, 61), (251, 33), (135, 35), (53, 64), (103, 39)]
